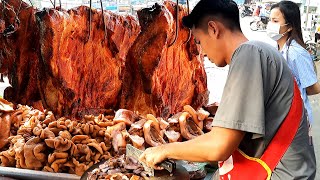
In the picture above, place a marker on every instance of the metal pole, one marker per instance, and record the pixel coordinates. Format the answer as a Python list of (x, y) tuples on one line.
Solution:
[(31, 3), (104, 23), (130, 6), (117, 2)]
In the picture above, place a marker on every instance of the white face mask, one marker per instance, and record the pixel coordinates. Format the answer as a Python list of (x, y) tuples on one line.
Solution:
[(273, 31)]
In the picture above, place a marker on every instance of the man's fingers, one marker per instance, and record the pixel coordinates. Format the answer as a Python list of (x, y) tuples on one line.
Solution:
[(156, 167), (151, 158), (149, 161), (142, 157)]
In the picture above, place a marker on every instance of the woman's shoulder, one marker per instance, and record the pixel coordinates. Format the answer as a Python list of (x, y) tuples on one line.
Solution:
[(297, 51)]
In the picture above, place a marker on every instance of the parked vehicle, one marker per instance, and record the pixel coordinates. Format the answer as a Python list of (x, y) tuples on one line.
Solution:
[(246, 11), (259, 23), (312, 49), (311, 46)]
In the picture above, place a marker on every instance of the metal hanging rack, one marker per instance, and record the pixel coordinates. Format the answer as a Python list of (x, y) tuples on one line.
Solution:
[(177, 23), (53, 3), (103, 19)]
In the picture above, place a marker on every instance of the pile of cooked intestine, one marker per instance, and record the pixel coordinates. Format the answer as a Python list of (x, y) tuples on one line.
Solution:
[(37, 140)]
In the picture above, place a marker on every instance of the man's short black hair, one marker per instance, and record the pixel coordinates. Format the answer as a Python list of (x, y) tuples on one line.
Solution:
[(225, 11)]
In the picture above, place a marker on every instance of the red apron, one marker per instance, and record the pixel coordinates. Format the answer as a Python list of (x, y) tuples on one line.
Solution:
[(239, 166)]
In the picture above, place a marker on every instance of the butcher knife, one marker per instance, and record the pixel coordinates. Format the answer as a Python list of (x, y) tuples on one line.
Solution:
[(135, 153)]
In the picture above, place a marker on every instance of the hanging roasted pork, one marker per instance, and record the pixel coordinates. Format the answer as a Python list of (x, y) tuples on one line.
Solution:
[(159, 78), (19, 49), (83, 61)]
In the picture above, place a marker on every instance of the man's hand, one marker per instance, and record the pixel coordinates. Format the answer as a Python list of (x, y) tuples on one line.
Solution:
[(216, 145), (153, 156)]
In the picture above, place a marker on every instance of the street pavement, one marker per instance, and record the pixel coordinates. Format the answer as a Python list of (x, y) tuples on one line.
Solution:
[(315, 100)]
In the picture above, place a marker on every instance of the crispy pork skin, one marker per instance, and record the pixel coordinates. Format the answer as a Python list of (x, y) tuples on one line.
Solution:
[(152, 132), (137, 128), (5, 122), (126, 116), (208, 124), (202, 114), (194, 115), (137, 141), (173, 136), (188, 127)]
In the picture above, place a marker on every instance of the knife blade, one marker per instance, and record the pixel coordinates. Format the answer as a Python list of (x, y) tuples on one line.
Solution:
[(135, 153)]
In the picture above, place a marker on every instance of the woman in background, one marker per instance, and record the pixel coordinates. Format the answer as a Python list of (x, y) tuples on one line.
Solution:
[(317, 33), (285, 28)]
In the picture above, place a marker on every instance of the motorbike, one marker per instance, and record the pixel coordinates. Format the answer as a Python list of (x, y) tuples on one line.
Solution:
[(246, 11), (312, 49), (259, 23), (311, 46)]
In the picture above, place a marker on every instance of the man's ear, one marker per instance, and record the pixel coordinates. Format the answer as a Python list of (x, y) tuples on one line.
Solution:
[(213, 29)]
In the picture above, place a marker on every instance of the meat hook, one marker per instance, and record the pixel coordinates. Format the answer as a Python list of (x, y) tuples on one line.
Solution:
[(90, 19), (177, 24), (188, 12), (104, 23), (31, 3), (53, 4), (60, 4)]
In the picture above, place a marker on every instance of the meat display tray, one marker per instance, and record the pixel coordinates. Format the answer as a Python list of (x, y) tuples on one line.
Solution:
[(27, 174)]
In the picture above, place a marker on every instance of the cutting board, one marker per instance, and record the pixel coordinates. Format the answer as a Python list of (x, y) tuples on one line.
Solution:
[(180, 173)]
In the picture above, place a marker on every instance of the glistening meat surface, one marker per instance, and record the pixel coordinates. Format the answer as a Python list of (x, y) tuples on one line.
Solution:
[(75, 67), (82, 68), (159, 78)]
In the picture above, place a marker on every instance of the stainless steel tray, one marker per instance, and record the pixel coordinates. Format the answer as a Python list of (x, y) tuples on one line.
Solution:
[(27, 174)]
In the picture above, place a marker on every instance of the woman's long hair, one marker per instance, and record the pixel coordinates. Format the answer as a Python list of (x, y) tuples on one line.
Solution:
[(291, 13)]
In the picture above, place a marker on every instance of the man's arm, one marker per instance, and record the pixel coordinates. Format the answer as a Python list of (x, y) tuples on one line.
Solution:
[(216, 145)]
